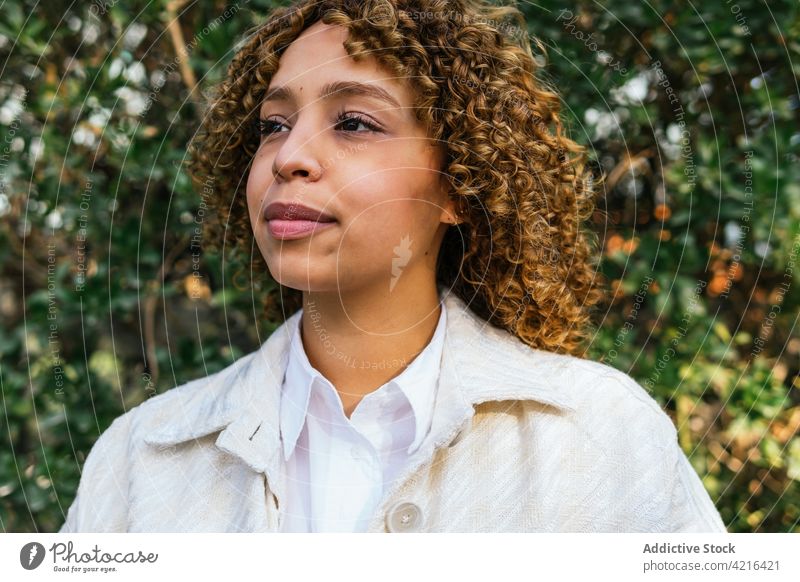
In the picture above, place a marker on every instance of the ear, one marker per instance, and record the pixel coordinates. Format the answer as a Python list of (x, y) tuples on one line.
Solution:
[(449, 213)]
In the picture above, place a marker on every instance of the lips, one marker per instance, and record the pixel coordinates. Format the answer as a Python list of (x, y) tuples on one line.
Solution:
[(290, 220), (295, 211)]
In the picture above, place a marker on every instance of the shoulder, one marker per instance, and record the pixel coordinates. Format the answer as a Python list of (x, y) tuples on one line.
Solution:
[(101, 501), (629, 439), (610, 402), (598, 387), (600, 400), (169, 409), (596, 394), (197, 407)]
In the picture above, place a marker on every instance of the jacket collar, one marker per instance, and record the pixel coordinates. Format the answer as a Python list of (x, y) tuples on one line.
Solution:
[(479, 363)]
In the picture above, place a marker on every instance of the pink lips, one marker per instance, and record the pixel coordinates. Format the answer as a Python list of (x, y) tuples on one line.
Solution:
[(292, 229), (290, 220)]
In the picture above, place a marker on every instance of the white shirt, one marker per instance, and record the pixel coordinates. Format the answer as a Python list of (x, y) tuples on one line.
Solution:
[(338, 468)]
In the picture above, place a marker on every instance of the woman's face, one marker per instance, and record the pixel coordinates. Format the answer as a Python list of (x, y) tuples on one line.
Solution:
[(362, 159)]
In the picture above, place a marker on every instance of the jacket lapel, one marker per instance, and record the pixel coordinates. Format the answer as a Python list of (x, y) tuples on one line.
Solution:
[(243, 401), (479, 363)]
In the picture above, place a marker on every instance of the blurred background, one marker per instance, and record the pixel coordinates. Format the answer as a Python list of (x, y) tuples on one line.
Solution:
[(108, 296)]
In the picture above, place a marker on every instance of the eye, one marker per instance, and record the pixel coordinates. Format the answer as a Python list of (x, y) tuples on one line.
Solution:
[(351, 120), (354, 120), (267, 126)]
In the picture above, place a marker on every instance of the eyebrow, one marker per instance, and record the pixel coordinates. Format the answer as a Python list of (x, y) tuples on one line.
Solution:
[(337, 89)]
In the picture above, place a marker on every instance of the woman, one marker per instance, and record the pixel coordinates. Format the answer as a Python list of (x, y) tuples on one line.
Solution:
[(409, 188)]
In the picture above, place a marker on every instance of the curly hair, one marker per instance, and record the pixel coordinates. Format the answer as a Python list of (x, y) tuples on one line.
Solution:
[(519, 258)]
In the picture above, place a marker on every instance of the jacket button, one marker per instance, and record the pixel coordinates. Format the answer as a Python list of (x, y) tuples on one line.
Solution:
[(404, 517)]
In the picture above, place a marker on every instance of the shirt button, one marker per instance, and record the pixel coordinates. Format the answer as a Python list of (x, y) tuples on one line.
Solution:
[(355, 451), (404, 517)]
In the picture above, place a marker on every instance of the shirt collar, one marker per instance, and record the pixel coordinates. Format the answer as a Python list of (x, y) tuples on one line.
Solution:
[(417, 382)]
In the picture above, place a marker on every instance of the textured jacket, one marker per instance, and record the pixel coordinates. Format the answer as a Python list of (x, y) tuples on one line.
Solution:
[(523, 440)]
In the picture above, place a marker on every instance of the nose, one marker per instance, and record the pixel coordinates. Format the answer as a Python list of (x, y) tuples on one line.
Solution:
[(296, 157)]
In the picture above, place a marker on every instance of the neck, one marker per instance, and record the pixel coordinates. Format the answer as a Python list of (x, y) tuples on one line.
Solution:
[(361, 339)]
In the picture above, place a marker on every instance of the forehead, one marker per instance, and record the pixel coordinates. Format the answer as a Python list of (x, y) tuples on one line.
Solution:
[(318, 57)]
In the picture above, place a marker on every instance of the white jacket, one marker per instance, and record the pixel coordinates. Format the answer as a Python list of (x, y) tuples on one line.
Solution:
[(523, 441)]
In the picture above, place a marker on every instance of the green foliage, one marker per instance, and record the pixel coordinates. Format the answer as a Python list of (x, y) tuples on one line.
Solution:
[(106, 299)]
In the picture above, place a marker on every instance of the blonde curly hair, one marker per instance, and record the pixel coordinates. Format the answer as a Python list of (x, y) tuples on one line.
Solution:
[(519, 258)]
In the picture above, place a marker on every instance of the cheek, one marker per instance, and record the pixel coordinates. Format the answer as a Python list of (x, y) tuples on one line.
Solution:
[(379, 226), (397, 196)]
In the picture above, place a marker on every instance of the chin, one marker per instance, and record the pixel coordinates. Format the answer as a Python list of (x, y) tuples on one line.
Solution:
[(295, 276)]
